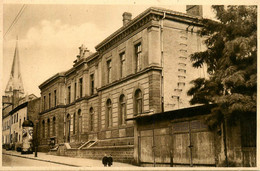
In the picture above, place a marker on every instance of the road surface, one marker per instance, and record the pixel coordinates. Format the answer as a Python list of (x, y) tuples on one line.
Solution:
[(13, 161)]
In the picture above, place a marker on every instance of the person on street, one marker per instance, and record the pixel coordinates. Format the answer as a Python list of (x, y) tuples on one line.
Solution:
[(105, 160), (110, 160)]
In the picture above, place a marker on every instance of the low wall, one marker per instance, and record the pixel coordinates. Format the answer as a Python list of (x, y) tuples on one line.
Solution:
[(123, 154)]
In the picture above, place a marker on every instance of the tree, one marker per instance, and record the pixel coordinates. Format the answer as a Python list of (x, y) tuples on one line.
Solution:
[(231, 60)]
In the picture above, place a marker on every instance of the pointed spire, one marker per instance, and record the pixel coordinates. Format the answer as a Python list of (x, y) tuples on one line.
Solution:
[(15, 80)]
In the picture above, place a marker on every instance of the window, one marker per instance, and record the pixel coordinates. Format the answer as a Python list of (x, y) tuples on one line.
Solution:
[(122, 110), (108, 71), (75, 91), (74, 122), (91, 112), (43, 129), (44, 102), (80, 88), (55, 98), (54, 126), (16, 136), (138, 102), (69, 94), (49, 100), (109, 113), (91, 84), (79, 121), (48, 127), (19, 123), (122, 64), (138, 55), (16, 117)]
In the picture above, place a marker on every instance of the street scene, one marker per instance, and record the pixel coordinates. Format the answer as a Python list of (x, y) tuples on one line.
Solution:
[(129, 85)]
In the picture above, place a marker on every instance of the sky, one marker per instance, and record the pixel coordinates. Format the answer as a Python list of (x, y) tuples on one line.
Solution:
[(49, 35)]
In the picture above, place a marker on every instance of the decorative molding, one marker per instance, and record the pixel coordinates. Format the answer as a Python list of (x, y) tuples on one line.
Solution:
[(152, 16)]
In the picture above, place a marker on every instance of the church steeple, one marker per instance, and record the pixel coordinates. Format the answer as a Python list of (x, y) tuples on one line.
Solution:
[(15, 81)]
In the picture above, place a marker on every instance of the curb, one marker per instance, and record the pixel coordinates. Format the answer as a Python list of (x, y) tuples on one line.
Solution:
[(41, 160)]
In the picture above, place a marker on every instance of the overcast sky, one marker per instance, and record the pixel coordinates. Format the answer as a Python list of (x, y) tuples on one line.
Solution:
[(49, 35)]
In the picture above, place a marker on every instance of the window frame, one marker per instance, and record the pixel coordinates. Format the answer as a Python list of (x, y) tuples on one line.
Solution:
[(122, 57), (138, 56), (109, 117), (69, 94), (75, 90), (109, 71), (91, 119), (49, 100), (81, 87), (138, 101), (122, 110), (55, 98), (92, 83), (54, 126)]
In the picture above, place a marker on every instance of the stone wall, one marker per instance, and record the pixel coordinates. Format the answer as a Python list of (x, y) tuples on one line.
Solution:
[(119, 153)]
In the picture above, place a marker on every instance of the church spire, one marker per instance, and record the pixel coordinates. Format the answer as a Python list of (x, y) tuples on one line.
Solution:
[(15, 81)]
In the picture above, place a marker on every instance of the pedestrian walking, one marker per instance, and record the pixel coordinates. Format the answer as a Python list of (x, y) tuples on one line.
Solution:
[(105, 160), (109, 160)]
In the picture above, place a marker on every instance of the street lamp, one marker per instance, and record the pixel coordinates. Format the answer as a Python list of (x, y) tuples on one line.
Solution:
[(36, 138)]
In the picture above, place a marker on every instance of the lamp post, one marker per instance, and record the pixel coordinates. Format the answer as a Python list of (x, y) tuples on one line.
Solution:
[(36, 138)]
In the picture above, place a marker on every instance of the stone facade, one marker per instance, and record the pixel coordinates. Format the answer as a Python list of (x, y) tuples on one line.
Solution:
[(142, 68)]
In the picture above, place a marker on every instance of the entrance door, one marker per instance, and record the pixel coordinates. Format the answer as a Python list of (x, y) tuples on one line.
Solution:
[(193, 144)]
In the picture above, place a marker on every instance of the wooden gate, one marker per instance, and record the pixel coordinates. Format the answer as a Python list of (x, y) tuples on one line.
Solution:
[(192, 144), (184, 143)]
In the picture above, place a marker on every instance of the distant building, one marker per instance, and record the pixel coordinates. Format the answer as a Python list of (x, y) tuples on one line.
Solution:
[(16, 107)]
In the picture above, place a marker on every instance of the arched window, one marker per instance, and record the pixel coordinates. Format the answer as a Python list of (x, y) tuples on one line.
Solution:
[(54, 126), (91, 119), (79, 121), (43, 129), (74, 122), (48, 127), (68, 123), (122, 110), (138, 102), (108, 113)]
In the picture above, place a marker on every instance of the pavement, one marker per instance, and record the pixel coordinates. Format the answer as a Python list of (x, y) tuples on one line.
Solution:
[(63, 160)]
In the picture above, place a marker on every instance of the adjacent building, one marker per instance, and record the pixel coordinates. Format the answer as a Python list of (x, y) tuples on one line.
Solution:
[(17, 107)]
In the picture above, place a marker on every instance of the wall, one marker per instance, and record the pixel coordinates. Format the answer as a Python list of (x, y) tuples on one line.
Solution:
[(178, 44), (119, 154)]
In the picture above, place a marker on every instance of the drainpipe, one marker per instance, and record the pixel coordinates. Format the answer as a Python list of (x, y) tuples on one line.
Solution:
[(162, 60)]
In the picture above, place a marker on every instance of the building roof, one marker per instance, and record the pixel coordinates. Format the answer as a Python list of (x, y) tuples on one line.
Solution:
[(61, 74), (175, 114), (178, 16)]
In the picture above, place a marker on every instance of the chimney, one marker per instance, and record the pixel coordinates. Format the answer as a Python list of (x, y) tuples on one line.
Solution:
[(127, 16), (195, 10)]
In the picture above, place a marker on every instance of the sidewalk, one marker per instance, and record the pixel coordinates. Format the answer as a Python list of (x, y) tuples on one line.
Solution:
[(69, 161)]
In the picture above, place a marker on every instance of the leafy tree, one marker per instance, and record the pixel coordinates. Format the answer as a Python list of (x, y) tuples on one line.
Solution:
[(231, 60)]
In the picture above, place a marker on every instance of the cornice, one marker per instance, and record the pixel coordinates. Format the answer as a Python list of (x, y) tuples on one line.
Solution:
[(151, 14), (56, 76)]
